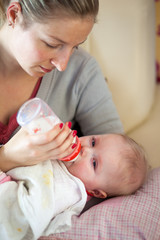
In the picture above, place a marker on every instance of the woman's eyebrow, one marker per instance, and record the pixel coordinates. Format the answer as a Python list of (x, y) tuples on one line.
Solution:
[(57, 39), (82, 42), (63, 42)]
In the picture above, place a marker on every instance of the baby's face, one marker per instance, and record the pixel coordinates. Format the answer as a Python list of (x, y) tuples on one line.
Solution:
[(99, 161)]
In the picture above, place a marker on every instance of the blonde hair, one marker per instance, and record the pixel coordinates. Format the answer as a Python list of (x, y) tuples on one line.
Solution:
[(133, 169), (41, 10), (3, 7)]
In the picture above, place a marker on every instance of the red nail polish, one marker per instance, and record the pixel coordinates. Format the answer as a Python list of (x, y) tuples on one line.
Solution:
[(74, 145), (74, 133), (69, 124), (61, 125)]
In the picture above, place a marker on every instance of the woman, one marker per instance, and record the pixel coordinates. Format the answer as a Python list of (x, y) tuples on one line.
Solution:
[(39, 57)]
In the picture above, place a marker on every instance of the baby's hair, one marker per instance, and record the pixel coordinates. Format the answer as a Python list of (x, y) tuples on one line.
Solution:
[(41, 10), (133, 168)]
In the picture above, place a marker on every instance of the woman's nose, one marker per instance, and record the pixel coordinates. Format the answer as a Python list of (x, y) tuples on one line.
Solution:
[(60, 61)]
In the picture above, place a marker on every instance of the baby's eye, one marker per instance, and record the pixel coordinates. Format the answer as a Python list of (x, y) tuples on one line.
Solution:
[(93, 142), (94, 163)]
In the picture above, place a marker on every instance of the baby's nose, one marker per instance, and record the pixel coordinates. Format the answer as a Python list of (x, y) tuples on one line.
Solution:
[(85, 150)]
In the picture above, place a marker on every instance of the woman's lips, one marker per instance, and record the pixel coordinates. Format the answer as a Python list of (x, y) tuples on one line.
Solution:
[(45, 69)]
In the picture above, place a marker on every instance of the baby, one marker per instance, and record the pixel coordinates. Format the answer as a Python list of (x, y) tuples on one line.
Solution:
[(43, 198), (110, 165)]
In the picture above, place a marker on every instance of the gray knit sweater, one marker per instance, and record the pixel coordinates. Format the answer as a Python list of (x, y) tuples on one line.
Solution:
[(80, 94)]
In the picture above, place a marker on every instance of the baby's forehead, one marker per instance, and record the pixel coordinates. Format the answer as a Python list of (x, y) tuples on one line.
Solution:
[(115, 138)]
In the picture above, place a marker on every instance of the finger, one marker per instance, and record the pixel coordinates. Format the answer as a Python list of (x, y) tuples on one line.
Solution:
[(44, 138), (57, 147), (64, 136), (61, 143), (42, 143), (64, 149), (67, 152), (65, 156)]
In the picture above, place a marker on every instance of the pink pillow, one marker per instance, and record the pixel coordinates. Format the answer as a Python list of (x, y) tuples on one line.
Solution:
[(129, 217)]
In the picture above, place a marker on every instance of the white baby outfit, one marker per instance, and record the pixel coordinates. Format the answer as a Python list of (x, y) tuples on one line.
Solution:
[(42, 200)]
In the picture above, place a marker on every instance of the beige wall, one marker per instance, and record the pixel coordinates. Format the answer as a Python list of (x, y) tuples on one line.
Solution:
[(123, 42)]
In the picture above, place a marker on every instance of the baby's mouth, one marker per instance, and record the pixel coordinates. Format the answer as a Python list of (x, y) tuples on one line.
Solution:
[(81, 151)]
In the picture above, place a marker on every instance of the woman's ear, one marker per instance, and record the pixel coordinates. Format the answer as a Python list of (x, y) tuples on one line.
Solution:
[(13, 11), (98, 193)]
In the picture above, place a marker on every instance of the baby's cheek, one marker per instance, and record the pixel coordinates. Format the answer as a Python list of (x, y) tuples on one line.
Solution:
[(75, 170)]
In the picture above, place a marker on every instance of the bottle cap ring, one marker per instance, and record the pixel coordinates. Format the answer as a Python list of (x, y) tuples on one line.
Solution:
[(73, 156)]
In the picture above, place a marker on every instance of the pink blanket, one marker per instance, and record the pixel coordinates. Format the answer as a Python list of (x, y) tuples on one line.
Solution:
[(127, 218)]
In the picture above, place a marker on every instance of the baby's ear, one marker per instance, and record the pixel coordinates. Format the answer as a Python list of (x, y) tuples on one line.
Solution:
[(98, 193)]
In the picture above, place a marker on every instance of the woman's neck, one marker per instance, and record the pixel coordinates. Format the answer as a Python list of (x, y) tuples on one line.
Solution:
[(16, 85), (9, 67)]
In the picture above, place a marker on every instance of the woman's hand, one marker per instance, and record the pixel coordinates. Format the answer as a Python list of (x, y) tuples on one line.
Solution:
[(24, 149)]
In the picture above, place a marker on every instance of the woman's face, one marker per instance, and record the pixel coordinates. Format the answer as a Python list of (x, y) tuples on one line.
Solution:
[(44, 46)]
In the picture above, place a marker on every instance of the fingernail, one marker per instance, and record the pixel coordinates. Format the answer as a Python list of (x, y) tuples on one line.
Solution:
[(74, 133), (69, 124), (74, 145), (61, 125)]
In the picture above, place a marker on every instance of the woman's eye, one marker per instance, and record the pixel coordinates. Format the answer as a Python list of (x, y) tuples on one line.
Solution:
[(94, 163), (93, 142), (51, 46)]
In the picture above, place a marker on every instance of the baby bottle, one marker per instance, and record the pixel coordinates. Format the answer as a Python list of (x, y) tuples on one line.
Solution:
[(37, 117)]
